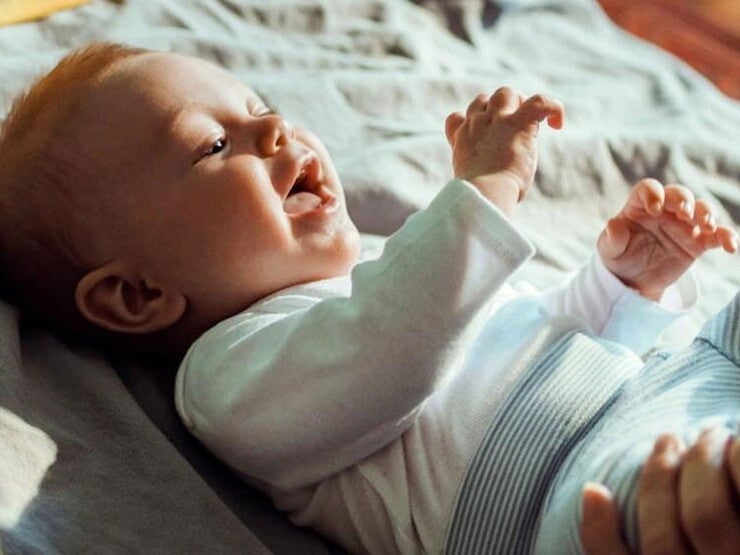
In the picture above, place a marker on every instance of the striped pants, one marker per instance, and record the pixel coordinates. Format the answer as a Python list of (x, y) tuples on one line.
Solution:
[(589, 411)]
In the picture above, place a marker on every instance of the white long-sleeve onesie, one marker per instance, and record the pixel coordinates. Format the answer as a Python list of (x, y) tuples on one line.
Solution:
[(357, 402)]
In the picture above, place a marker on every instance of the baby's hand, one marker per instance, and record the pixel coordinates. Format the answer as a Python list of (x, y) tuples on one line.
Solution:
[(658, 235), (493, 144)]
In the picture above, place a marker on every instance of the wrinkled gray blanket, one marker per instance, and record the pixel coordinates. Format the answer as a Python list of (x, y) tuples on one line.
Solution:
[(92, 456)]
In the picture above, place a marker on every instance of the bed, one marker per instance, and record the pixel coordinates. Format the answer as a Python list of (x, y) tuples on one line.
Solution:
[(94, 458)]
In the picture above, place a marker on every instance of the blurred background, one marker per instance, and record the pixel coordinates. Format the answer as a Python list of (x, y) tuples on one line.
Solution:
[(704, 33)]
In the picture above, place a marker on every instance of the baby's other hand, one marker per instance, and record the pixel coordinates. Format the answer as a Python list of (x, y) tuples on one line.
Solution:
[(658, 234), (493, 144)]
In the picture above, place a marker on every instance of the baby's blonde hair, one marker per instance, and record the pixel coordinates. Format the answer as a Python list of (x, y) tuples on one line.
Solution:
[(40, 176)]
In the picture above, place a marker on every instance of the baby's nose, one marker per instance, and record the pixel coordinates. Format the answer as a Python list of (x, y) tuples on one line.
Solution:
[(276, 133)]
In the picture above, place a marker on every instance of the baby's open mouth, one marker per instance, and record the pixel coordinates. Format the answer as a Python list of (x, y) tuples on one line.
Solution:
[(307, 192)]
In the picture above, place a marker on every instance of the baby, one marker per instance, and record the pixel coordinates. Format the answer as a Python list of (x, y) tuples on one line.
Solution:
[(415, 402)]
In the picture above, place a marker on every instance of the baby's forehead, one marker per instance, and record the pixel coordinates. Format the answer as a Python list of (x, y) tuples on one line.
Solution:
[(166, 76), (161, 87), (155, 67), (145, 99)]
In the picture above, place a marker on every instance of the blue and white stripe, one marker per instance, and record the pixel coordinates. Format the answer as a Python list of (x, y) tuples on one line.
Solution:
[(578, 416), (550, 410)]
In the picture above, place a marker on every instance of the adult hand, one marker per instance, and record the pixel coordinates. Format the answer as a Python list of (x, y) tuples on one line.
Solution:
[(600, 525), (687, 501)]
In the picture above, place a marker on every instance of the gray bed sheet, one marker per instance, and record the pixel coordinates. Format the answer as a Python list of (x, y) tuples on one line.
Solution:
[(92, 455)]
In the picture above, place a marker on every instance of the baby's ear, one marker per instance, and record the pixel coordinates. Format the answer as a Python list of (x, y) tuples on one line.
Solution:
[(115, 298)]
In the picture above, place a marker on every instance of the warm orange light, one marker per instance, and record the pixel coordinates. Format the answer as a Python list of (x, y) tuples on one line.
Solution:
[(704, 33), (14, 11)]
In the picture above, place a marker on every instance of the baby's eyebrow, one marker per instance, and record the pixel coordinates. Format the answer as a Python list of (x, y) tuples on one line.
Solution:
[(175, 125), (191, 108)]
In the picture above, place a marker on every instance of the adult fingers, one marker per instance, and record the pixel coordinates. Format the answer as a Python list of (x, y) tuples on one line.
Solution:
[(706, 497), (657, 500), (600, 523), (732, 462)]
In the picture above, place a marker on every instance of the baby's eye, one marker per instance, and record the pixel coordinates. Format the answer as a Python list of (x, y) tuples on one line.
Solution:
[(266, 112), (217, 146)]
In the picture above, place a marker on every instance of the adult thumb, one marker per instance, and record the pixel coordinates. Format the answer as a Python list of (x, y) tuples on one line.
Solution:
[(600, 524)]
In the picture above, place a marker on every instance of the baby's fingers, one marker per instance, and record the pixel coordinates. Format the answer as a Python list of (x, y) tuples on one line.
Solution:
[(452, 124), (727, 238), (504, 101), (706, 221), (477, 105), (721, 237), (704, 217), (648, 195), (680, 201), (538, 107)]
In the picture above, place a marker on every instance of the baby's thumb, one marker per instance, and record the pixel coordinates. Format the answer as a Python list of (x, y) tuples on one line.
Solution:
[(614, 239), (452, 124)]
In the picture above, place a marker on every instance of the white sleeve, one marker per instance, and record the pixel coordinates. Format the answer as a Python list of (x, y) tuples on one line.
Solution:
[(615, 311), (316, 390)]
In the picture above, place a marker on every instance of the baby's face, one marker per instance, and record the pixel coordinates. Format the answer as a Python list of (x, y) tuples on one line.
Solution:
[(225, 201)]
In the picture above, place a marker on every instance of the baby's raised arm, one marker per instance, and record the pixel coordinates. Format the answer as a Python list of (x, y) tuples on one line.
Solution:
[(493, 144), (310, 381)]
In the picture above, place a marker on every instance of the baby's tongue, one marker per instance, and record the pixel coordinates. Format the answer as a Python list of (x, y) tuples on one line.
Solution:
[(301, 202)]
